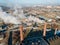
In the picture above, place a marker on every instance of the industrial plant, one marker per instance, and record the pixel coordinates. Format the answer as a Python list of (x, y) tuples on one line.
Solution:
[(30, 25)]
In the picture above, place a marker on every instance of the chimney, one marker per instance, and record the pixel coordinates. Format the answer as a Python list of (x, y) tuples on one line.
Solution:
[(21, 33), (55, 26), (44, 31), (55, 31)]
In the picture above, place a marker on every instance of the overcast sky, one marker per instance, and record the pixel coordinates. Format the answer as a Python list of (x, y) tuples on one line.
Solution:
[(29, 2)]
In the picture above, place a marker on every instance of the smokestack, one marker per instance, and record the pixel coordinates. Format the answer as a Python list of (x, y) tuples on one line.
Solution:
[(55, 31), (55, 26), (21, 33), (44, 32)]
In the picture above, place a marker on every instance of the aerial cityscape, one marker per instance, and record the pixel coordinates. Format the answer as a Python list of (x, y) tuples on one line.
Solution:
[(29, 22)]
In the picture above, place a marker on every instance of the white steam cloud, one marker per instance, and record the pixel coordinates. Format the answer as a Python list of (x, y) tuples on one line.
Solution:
[(32, 18), (17, 16), (7, 18)]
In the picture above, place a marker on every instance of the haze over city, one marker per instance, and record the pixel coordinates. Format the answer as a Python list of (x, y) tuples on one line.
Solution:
[(29, 2)]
